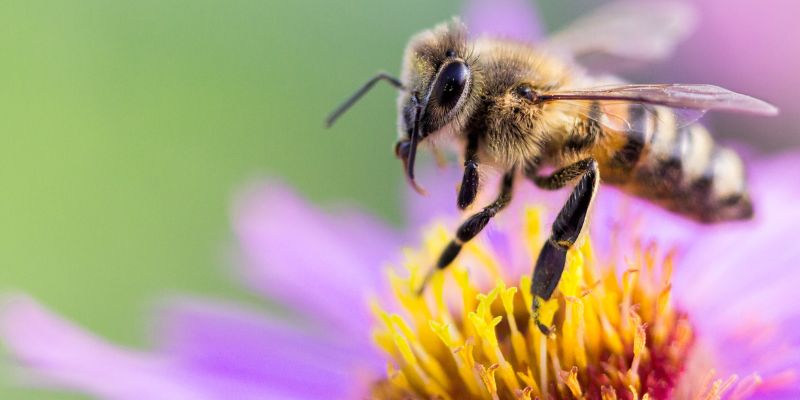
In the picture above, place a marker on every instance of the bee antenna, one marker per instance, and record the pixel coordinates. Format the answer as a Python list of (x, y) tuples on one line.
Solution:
[(361, 92)]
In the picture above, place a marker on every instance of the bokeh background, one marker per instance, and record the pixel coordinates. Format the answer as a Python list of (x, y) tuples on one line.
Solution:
[(127, 126)]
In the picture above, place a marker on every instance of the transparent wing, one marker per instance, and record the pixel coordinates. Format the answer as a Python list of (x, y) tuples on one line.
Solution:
[(678, 96), (634, 29), (686, 103), (616, 115)]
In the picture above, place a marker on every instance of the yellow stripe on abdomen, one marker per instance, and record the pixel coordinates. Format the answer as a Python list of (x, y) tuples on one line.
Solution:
[(680, 168)]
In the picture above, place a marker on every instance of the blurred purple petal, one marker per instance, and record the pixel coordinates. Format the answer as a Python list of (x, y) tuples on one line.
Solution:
[(68, 357), (241, 346), (439, 202), (291, 249), (513, 19), (744, 254)]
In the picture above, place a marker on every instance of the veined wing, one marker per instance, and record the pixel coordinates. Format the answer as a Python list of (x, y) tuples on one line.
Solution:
[(634, 29), (688, 102)]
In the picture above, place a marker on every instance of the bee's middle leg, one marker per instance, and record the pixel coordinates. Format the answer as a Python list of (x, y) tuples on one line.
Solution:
[(474, 225), (566, 229)]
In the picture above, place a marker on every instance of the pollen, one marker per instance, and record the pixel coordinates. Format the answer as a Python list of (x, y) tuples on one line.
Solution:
[(470, 335)]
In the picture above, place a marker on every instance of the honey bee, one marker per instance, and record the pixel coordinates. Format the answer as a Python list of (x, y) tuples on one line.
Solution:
[(520, 108)]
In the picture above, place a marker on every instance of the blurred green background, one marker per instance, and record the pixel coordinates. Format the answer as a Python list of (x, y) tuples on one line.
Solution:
[(128, 125)]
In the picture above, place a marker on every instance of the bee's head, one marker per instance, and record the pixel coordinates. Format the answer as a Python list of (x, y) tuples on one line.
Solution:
[(439, 80), (436, 86)]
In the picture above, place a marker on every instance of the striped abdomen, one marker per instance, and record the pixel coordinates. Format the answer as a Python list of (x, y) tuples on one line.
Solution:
[(678, 167)]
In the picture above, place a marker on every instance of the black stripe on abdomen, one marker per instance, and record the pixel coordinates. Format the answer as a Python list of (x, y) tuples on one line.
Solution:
[(671, 165), (627, 157)]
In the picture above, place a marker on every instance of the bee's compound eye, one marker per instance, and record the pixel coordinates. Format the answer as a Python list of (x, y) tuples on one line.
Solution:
[(450, 84), (526, 92)]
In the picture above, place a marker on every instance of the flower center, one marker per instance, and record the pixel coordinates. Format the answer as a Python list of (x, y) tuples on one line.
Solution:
[(616, 336)]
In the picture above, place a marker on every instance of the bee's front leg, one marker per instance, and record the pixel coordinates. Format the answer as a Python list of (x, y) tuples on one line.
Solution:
[(566, 229), (469, 184), (473, 225)]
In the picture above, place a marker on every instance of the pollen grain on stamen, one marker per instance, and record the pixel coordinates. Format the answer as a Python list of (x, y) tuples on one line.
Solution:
[(471, 335)]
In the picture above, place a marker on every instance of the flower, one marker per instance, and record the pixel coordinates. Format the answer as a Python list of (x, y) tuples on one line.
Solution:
[(617, 337), (731, 312)]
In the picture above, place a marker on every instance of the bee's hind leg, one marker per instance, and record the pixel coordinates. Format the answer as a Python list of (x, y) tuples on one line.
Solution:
[(473, 225), (565, 231), (562, 177)]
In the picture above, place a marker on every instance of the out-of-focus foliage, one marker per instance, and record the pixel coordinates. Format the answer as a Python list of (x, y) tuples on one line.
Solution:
[(127, 126)]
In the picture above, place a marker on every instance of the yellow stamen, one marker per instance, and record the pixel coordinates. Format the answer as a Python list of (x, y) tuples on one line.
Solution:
[(484, 257), (615, 336), (517, 340), (571, 380), (487, 376)]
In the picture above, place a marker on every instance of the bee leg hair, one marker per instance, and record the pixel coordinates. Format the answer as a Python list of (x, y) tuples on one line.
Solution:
[(560, 178), (566, 230)]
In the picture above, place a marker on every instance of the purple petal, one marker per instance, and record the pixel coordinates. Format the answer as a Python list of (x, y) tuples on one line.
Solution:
[(310, 260), (438, 203), (59, 354), (513, 19), (740, 260), (243, 347), (739, 281)]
